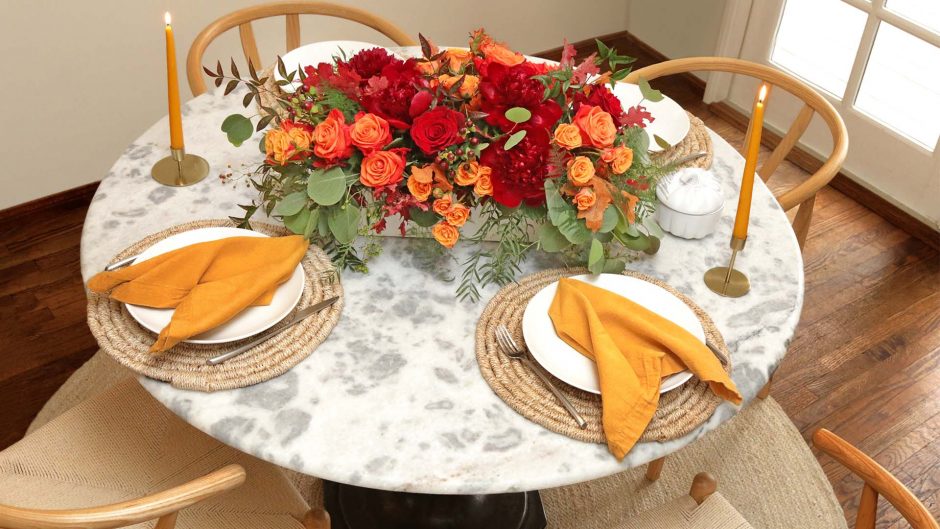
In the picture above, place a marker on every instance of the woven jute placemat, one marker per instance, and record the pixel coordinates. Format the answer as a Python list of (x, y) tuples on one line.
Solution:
[(679, 411), (697, 140), (184, 366)]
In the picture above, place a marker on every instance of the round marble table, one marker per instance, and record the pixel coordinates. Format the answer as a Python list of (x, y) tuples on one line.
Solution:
[(394, 399)]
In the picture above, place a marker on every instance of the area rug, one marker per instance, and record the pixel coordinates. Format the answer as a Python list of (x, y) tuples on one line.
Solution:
[(763, 465)]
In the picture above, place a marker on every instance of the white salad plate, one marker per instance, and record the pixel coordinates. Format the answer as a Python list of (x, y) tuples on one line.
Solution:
[(670, 121), (570, 366), (250, 321), (317, 52)]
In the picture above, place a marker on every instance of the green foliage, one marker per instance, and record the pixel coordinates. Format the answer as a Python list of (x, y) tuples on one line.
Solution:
[(551, 240), (518, 114), (649, 93), (326, 187), (514, 139), (297, 222), (422, 218), (344, 223), (291, 204), (238, 128)]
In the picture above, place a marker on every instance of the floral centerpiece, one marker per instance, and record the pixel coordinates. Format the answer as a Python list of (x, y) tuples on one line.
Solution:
[(526, 147)]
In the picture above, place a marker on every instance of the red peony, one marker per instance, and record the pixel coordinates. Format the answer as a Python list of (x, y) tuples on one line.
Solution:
[(503, 87), (437, 129), (390, 94), (519, 174), (601, 96), (369, 63)]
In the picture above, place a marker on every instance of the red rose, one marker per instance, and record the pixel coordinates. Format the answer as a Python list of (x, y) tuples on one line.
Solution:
[(436, 129)]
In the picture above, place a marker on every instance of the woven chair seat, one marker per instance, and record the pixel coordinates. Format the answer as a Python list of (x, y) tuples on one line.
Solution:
[(683, 513), (121, 445)]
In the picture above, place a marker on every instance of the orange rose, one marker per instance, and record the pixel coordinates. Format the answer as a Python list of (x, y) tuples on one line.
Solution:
[(457, 58), (457, 215), (619, 158), (445, 234), (420, 190), (369, 133), (331, 137), (484, 185), (469, 89), (288, 142), (580, 170), (498, 53), (597, 127), (568, 136), (427, 67), (382, 168), (442, 205), (467, 173), (585, 199)]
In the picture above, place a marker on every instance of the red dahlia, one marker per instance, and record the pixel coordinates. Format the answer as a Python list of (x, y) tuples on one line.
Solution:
[(390, 94), (504, 87), (519, 174)]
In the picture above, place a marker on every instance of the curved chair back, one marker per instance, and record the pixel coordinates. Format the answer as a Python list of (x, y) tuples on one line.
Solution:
[(878, 481), (803, 195), (162, 506), (291, 12)]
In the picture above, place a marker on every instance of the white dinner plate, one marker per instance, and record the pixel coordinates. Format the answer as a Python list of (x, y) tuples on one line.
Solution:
[(317, 52), (570, 366), (248, 322), (670, 121)]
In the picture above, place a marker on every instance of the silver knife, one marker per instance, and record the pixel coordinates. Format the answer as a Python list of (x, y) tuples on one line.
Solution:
[(121, 264), (689, 158), (718, 352), (303, 313)]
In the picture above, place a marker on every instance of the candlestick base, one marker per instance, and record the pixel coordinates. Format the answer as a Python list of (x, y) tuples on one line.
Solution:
[(726, 280), (180, 169), (736, 286)]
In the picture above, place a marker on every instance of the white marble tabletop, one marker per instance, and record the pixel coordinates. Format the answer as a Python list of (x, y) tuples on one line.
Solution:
[(394, 399)]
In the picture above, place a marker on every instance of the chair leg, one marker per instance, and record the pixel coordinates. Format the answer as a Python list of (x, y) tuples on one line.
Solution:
[(765, 391), (655, 468), (166, 522), (317, 519), (703, 486)]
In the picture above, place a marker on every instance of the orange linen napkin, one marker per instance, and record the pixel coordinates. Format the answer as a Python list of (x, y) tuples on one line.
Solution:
[(208, 283), (634, 348)]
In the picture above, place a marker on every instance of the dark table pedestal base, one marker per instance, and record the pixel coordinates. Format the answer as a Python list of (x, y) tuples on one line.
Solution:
[(352, 507)]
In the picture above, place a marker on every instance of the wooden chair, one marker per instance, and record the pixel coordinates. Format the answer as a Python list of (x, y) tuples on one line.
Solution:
[(803, 195), (135, 461), (291, 11), (703, 507), (878, 482)]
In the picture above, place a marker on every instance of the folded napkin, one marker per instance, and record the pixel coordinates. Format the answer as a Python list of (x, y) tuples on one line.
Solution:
[(634, 348), (208, 283)]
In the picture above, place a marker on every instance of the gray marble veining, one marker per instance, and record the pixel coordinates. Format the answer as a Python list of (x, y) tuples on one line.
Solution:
[(393, 399)]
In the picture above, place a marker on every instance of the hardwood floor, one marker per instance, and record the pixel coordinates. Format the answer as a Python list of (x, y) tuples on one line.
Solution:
[(865, 361)]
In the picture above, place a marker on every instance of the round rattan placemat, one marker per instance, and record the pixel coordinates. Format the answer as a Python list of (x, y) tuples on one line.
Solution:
[(697, 140), (679, 411), (184, 366)]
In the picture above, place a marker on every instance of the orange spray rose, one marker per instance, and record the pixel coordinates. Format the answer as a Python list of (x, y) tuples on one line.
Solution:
[(580, 170), (442, 205), (619, 158), (457, 215), (585, 199), (568, 136), (484, 185), (445, 234)]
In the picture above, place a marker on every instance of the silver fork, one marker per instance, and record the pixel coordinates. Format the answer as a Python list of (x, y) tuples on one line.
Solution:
[(508, 345)]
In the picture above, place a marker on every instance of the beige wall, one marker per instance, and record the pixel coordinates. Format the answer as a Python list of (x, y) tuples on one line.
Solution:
[(86, 77), (677, 28)]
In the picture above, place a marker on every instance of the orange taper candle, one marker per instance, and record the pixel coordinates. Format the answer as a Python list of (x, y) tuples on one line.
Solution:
[(750, 164), (173, 89)]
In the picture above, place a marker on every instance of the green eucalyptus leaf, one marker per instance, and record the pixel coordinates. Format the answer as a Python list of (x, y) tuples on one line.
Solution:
[(344, 223), (297, 222), (514, 140), (573, 228), (610, 219), (551, 240), (423, 218), (238, 128), (614, 266), (661, 142), (649, 93), (653, 246), (323, 224), (596, 257), (653, 227), (518, 114), (639, 243), (327, 187), (291, 204), (312, 223)]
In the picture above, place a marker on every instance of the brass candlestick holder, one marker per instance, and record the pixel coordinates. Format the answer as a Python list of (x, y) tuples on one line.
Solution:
[(180, 169), (726, 280)]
